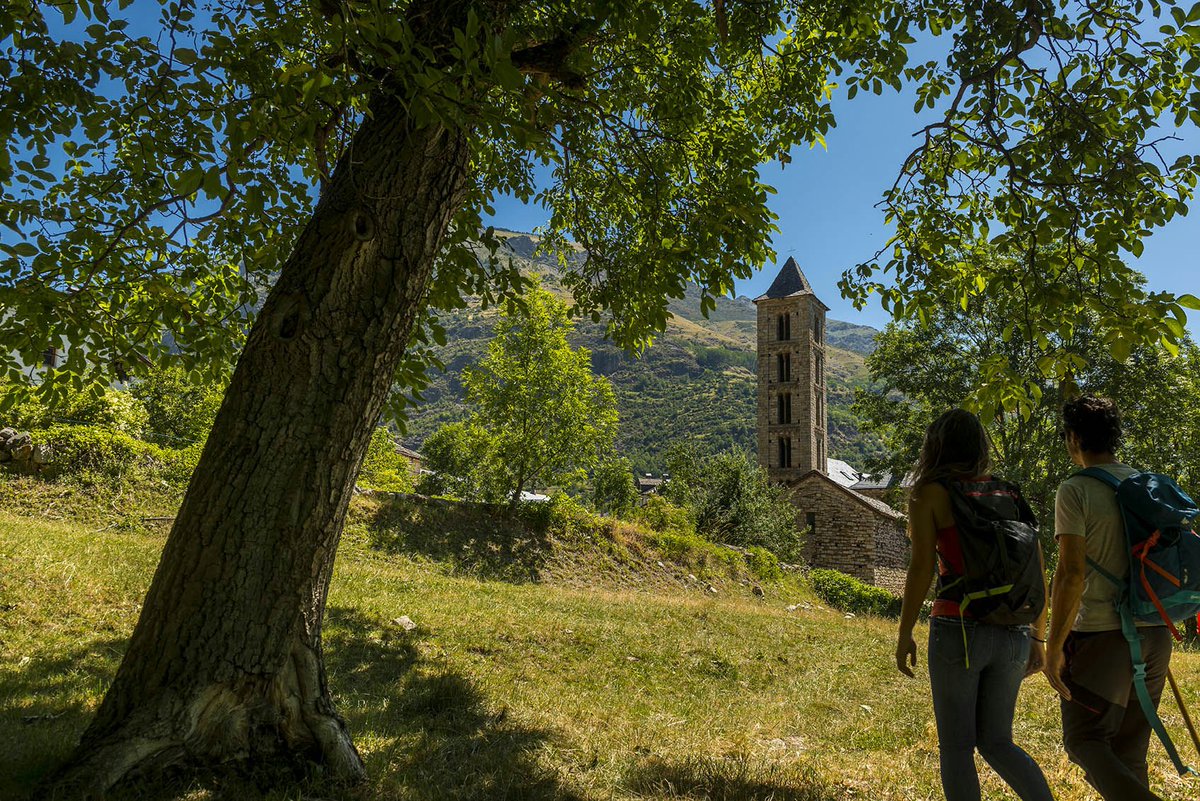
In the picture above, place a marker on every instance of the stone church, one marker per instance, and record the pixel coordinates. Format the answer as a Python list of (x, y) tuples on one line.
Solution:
[(846, 530)]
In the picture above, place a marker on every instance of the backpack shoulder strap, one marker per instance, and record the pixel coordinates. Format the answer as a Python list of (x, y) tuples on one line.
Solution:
[(1101, 474), (1094, 565), (1133, 637)]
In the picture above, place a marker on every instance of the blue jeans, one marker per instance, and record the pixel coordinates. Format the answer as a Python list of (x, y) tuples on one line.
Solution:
[(974, 704)]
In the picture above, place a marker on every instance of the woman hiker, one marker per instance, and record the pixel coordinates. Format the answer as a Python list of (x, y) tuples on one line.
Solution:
[(975, 668)]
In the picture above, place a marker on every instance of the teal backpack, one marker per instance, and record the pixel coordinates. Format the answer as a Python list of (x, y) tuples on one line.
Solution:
[(1164, 570)]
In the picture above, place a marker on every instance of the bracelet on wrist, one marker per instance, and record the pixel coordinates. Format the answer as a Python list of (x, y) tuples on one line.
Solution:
[(1037, 639)]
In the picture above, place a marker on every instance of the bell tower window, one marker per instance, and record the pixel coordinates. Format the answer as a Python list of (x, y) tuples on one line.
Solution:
[(783, 366), (785, 451)]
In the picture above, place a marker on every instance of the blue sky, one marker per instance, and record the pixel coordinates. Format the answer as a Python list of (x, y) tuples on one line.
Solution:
[(828, 220)]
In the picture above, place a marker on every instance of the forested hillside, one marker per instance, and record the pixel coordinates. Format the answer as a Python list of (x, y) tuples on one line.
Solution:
[(695, 383)]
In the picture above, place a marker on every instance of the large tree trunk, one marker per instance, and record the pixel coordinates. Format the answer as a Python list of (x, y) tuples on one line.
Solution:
[(226, 658)]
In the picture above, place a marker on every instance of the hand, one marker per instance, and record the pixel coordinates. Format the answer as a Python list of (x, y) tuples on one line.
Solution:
[(1055, 665), (1037, 658), (906, 655)]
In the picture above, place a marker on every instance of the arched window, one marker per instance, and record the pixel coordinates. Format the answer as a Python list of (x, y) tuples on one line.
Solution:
[(783, 327), (784, 403), (783, 366)]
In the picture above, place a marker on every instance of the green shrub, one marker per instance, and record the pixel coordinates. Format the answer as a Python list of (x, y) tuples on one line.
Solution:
[(96, 454), (732, 500), (24, 409), (112, 409), (661, 515), (851, 595), (463, 462), (569, 514), (677, 547), (613, 489), (179, 463), (384, 469), (108, 408), (180, 409), (763, 564), (688, 548)]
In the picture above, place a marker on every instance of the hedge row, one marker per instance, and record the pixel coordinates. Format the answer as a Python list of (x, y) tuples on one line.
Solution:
[(851, 595)]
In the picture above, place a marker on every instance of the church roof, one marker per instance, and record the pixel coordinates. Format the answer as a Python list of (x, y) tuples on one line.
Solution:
[(843, 473), (882, 482), (879, 507), (789, 283)]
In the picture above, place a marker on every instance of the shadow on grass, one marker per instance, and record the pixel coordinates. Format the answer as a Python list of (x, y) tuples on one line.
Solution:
[(44, 708), (483, 540), (444, 740), (426, 733), (729, 779)]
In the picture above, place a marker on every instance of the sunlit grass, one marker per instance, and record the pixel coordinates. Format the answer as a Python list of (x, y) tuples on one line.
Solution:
[(530, 690)]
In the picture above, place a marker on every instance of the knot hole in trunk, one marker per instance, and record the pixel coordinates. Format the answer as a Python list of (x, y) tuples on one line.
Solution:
[(290, 316), (362, 224)]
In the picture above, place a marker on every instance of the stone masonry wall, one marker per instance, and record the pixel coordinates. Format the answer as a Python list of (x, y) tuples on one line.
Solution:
[(890, 579), (806, 386), (844, 533), (850, 538), (891, 555), (891, 544)]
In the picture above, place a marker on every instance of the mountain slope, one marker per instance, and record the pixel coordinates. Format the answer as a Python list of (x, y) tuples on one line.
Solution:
[(696, 383)]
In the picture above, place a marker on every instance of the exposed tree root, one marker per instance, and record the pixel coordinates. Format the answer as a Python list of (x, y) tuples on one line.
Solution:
[(287, 719)]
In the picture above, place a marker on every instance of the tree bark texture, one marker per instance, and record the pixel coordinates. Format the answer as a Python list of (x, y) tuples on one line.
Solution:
[(225, 661)]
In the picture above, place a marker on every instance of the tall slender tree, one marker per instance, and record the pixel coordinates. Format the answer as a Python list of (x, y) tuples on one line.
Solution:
[(545, 412)]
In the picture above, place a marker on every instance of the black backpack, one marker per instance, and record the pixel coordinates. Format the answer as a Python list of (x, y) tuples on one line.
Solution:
[(1003, 580)]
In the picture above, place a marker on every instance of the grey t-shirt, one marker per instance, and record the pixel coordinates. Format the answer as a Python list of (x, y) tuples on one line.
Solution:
[(1087, 507)]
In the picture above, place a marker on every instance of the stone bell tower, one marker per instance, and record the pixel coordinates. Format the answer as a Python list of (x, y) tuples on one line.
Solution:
[(792, 418)]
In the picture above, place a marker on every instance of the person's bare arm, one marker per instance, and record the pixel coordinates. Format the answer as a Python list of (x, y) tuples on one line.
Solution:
[(1037, 648), (922, 530), (1064, 605)]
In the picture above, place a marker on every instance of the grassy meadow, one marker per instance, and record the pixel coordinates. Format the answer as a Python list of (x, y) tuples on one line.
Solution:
[(512, 689)]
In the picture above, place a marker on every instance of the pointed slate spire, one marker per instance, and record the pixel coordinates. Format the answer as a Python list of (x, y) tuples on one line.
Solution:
[(790, 281)]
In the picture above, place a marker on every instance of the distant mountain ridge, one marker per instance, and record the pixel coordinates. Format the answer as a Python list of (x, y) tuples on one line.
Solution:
[(696, 382)]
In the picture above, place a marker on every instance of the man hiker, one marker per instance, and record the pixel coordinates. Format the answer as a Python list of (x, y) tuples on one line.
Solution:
[(1087, 656)]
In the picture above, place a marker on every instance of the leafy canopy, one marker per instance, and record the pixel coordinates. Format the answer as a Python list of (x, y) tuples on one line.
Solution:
[(922, 369), (154, 174), (1055, 147)]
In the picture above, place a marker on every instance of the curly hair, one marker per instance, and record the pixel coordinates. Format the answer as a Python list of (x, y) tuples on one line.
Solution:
[(956, 447), (1095, 421)]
